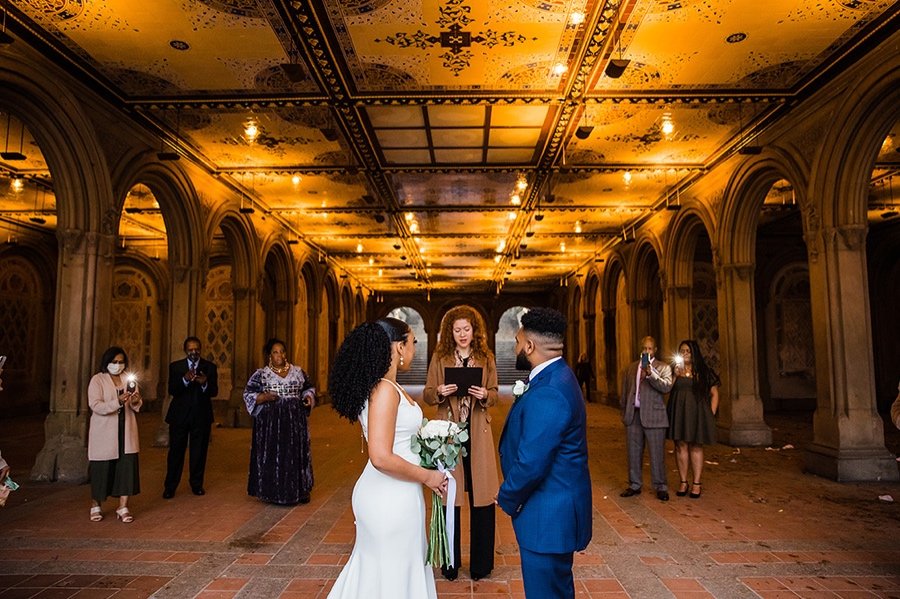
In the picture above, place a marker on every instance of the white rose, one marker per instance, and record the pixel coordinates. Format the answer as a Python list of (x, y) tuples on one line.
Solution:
[(436, 428), (519, 388)]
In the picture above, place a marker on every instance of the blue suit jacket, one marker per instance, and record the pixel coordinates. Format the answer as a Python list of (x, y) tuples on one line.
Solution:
[(543, 453)]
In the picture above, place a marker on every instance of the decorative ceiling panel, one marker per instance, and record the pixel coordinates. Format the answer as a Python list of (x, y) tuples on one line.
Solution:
[(451, 190), (736, 44), (178, 47), (437, 45)]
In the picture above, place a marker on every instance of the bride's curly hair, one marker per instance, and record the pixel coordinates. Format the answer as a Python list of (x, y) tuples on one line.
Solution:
[(447, 345), (363, 358)]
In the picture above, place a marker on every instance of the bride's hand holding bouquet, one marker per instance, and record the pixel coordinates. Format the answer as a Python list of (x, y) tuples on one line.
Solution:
[(439, 444)]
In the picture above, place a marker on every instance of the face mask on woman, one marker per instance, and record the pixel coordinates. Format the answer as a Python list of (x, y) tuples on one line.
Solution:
[(114, 368)]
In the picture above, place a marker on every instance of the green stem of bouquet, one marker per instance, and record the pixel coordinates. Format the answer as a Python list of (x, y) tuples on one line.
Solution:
[(438, 543)]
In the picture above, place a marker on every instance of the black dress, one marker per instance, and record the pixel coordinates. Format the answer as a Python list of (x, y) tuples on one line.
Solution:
[(118, 477), (691, 418), (280, 462)]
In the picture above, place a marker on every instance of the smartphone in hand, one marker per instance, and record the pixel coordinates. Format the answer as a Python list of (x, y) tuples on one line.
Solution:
[(2, 362), (645, 360)]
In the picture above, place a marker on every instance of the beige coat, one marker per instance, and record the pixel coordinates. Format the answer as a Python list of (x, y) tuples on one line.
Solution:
[(485, 480), (103, 434)]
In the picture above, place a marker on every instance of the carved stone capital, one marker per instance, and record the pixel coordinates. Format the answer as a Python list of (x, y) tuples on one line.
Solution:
[(743, 270), (678, 291), (70, 240), (853, 236)]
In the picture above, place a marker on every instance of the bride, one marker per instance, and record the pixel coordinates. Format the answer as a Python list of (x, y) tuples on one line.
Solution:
[(388, 559)]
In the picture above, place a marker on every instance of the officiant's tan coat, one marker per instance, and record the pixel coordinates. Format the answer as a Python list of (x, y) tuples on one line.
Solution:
[(485, 480)]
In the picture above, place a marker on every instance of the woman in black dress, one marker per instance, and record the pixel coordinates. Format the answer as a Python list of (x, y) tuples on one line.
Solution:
[(692, 407)]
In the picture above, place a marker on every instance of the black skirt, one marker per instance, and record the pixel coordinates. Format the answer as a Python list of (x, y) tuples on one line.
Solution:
[(280, 461), (119, 477)]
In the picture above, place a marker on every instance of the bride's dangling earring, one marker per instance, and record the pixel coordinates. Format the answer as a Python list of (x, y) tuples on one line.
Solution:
[(401, 359)]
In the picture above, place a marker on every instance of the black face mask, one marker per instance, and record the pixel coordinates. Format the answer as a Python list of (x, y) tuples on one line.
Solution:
[(522, 362)]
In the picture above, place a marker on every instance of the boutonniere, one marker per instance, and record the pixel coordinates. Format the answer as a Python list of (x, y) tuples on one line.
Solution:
[(519, 389)]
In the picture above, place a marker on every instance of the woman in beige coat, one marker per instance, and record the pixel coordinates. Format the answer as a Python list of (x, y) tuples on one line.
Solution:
[(114, 398), (463, 343)]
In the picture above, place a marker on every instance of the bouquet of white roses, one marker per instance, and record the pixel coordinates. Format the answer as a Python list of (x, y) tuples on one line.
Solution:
[(439, 444)]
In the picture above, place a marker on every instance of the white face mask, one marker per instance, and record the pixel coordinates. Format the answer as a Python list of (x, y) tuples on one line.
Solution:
[(114, 368)]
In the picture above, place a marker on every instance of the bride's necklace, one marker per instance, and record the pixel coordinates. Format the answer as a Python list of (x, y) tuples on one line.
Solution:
[(283, 370)]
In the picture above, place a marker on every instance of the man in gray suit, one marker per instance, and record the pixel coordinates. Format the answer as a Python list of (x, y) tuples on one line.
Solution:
[(644, 414)]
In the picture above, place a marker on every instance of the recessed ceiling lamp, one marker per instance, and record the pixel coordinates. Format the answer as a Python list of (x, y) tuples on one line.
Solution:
[(359, 248), (296, 180), (576, 17), (251, 129), (380, 272), (667, 126), (408, 216), (16, 185), (371, 261), (515, 199), (560, 68), (562, 246), (521, 183), (497, 258), (578, 226), (627, 178), (414, 227), (511, 215)]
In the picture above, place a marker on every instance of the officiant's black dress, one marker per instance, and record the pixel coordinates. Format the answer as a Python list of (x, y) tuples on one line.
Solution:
[(280, 461)]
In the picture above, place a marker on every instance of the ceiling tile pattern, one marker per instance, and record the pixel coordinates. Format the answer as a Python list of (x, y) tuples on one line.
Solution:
[(440, 144)]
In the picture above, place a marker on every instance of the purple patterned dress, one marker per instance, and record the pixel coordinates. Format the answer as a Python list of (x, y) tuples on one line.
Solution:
[(280, 461)]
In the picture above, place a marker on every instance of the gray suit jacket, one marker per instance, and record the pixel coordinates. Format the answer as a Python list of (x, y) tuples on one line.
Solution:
[(653, 387)]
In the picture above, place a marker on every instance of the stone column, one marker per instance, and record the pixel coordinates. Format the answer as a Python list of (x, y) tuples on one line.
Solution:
[(284, 319), (848, 434), (245, 352), (81, 327), (740, 419), (677, 314)]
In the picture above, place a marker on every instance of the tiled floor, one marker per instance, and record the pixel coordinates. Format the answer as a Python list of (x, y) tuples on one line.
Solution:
[(761, 529)]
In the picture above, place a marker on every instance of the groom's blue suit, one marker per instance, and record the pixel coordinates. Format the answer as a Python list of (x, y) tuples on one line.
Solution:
[(547, 487)]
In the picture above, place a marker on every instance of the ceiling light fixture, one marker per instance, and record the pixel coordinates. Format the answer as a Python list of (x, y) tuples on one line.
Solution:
[(5, 38), (667, 126), (521, 183), (511, 215), (562, 246), (578, 226), (576, 18), (296, 180), (627, 178), (6, 154), (515, 199), (359, 248), (251, 129), (616, 66), (560, 68), (16, 185)]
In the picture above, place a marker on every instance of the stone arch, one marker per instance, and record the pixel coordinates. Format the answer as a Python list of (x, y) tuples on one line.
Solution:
[(681, 243), (612, 278), (576, 309), (178, 202), (847, 153), (242, 241), (346, 315), (646, 288), (734, 240), (68, 142), (278, 292)]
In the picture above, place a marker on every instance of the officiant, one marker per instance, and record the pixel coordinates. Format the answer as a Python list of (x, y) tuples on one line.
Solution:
[(463, 345)]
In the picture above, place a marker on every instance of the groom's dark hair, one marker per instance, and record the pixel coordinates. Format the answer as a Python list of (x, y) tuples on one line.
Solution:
[(546, 322)]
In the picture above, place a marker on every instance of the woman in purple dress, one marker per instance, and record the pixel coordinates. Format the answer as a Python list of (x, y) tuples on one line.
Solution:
[(280, 397)]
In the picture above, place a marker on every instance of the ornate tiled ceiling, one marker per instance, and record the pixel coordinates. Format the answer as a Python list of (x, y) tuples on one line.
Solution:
[(446, 144)]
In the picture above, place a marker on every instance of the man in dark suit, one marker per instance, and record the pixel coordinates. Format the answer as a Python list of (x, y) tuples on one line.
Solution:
[(644, 415), (543, 454), (193, 382)]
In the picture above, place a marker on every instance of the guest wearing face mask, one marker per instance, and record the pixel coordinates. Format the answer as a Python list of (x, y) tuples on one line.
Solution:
[(114, 399), (193, 382)]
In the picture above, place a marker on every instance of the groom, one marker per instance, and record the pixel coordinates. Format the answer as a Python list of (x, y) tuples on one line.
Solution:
[(543, 454)]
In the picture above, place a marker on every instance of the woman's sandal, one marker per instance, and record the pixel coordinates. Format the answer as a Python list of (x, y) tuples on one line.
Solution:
[(96, 514), (695, 495), (683, 489), (124, 515)]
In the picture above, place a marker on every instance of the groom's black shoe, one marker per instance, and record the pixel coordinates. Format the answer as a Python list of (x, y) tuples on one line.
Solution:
[(629, 492), (662, 495), (451, 574)]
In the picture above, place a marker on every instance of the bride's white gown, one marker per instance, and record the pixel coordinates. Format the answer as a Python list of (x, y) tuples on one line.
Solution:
[(388, 559)]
